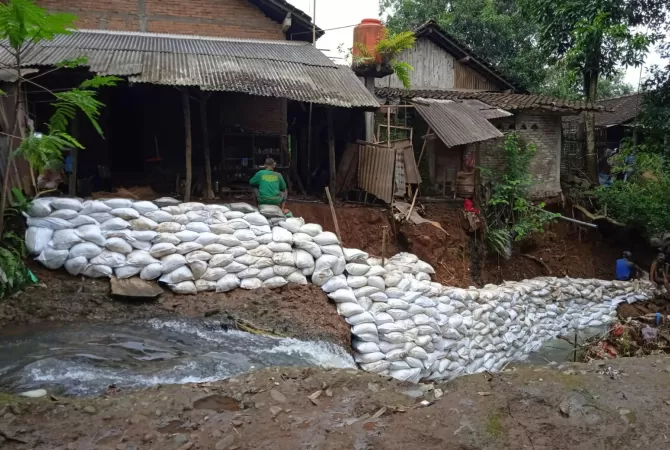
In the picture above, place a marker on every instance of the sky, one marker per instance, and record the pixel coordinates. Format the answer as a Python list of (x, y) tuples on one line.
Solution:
[(341, 13)]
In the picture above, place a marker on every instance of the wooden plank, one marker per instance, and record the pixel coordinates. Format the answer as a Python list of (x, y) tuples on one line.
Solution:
[(188, 144), (331, 151), (204, 96)]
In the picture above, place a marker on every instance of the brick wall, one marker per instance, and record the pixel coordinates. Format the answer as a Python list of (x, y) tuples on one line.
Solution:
[(254, 113), (225, 18), (544, 130)]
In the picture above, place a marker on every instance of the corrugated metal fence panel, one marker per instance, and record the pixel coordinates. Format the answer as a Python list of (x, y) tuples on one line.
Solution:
[(375, 171)]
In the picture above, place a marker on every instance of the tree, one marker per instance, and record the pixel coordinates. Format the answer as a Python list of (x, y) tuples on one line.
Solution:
[(563, 83), (496, 30), (22, 26), (593, 38)]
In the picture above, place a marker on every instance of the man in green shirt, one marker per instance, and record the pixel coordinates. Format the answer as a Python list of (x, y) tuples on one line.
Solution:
[(270, 187)]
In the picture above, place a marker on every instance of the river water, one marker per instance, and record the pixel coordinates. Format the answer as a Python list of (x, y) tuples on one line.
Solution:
[(85, 359)]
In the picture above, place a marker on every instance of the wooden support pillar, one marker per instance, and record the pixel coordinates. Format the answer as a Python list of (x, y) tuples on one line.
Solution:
[(188, 144), (204, 96), (309, 147), (74, 154), (331, 151)]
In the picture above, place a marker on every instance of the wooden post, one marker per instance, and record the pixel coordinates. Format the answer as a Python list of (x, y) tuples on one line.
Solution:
[(309, 148), (331, 151), (411, 208), (332, 211), (188, 144), (204, 96), (384, 246), (423, 148), (74, 153)]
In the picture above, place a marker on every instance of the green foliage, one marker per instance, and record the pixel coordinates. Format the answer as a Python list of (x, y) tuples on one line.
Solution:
[(509, 212), (14, 275), (563, 83), (22, 22), (388, 48)]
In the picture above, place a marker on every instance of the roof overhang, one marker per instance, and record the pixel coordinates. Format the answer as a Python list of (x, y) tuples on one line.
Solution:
[(301, 28)]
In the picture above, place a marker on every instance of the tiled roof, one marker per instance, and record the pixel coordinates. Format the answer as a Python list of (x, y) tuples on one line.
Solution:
[(507, 101), (619, 110)]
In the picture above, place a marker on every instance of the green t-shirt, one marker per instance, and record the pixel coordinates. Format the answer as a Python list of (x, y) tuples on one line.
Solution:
[(269, 185)]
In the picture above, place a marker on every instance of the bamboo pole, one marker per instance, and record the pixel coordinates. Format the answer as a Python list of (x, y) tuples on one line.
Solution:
[(204, 96), (411, 208), (187, 143), (384, 245), (332, 211)]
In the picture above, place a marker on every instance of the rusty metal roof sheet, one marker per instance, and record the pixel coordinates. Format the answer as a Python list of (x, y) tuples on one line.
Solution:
[(454, 122), (284, 69)]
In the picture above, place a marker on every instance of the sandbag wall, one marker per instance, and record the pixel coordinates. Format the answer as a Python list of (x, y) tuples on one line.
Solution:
[(404, 324)]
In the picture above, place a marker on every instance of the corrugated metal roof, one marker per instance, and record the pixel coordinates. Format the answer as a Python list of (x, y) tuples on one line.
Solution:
[(284, 69), (487, 111), (455, 123)]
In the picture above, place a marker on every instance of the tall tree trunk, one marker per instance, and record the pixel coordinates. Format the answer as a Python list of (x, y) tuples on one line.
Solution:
[(209, 192), (18, 115), (591, 90), (187, 142)]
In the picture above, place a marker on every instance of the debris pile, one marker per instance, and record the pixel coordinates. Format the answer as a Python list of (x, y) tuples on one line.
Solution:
[(644, 336)]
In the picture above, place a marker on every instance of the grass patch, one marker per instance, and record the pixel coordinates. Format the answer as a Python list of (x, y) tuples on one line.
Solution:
[(494, 426)]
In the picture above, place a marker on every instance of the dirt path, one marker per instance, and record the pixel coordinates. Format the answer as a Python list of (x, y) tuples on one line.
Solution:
[(566, 407)]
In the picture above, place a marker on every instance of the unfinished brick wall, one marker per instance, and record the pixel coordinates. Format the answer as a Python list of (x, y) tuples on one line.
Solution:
[(254, 113), (224, 18), (543, 130)]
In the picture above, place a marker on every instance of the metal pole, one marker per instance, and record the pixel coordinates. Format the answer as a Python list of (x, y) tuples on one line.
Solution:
[(314, 24)]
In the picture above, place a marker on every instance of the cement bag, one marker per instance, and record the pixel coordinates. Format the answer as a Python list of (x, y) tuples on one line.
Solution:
[(166, 201), (279, 247), (37, 239), (118, 203), (115, 223), (125, 213), (140, 258), (349, 309), (293, 224), (93, 271), (188, 247), (422, 267), (256, 219), (140, 245), (214, 274), (238, 224), (177, 276), (411, 375), (284, 259), (126, 272), (282, 235), (342, 296), (357, 269), (284, 271), (275, 282), (205, 286), (235, 267), (320, 277), (173, 209), (229, 240), (198, 269), (308, 272), (66, 239), (232, 215), (325, 262), (242, 207), (187, 235), (357, 282), (92, 233), (181, 219), (250, 245), (251, 283), (145, 235), (355, 255), (271, 211), (326, 238), (391, 279), (144, 207), (297, 278), (377, 282), (221, 260), (248, 260), (207, 238), (310, 247), (198, 255), (248, 273), (66, 203), (261, 251), (159, 216), (378, 367), (87, 249), (83, 220), (191, 206), (266, 273), (311, 229), (75, 266), (52, 223), (143, 224), (302, 237), (217, 208), (364, 329), (166, 238), (101, 217), (260, 230), (368, 358), (244, 235), (172, 262), (40, 207), (236, 251), (227, 283), (126, 235), (261, 263), (335, 250), (169, 227), (67, 214), (381, 318), (111, 259), (184, 288), (215, 249), (198, 227), (303, 260), (338, 267), (151, 272), (364, 347), (94, 206)]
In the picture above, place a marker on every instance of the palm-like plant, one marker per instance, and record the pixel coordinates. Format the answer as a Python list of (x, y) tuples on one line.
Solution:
[(387, 49)]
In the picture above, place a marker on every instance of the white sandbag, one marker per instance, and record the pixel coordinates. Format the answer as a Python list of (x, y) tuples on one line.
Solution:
[(52, 223), (355, 255), (177, 276), (357, 269), (221, 260), (251, 283), (187, 235), (37, 239), (247, 260), (364, 347), (271, 211), (279, 247), (127, 272), (207, 238), (111, 259), (205, 286), (184, 288), (229, 240), (236, 251), (261, 230), (245, 235), (83, 220), (335, 283), (275, 282), (160, 250), (311, 229), (159, 216), (250, 245), (368, 358), (227, 283), (342, 296), (115, 223), (181, 219), (248, 273), (320, 277), (92, 233), (215, 249), (166, 238), (338, 267), (169, 227), (326, 238), (67, 214), (66, 203), (310, 247), (94, 271), (262, 263), (172, 262), (75, 266), (166, 201), (423, 267), (349, 309), (235, 267), (198, 269), (242, 207), (40, 207), (308, 272), (262, 251), (140, 258), (302, 237), (391, 279), (101, 217), (198, 227), (140, 245), (143, 224), (266, 273), (256, 219), (232, 215), (303, 260), (356, 282), (214, 274), (325, 262), (118, 203), (221, 228), (198, 255), (88, 250), (282, 235), (284, 271), (377, 282), (65, 239), (144, 235), (125, 213), (192, 206), (334, 250), (297, 278), (284, 259), (238, 224), (126, 235), (118, 245), (293, 224), (144, 207), (93, 207), (152, 271), (188, 247), (216, 208), (363, 329)]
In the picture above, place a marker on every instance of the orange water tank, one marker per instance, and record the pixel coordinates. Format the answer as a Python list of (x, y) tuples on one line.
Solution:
[(368, 33)]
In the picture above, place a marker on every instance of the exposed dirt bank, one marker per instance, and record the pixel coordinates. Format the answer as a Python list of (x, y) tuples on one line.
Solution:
[(297, 311), (569, 407)]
